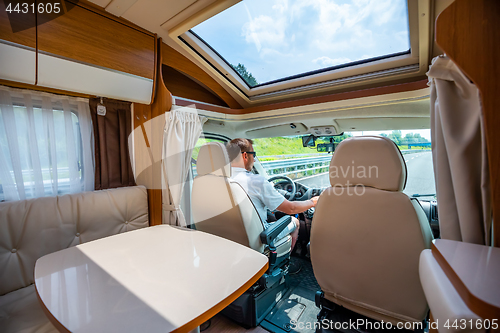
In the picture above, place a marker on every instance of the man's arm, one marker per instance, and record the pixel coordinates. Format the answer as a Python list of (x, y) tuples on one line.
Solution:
[(295, 207)]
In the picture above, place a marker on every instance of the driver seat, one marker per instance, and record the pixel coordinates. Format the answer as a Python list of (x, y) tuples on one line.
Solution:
[(221, 207), (367, 235)]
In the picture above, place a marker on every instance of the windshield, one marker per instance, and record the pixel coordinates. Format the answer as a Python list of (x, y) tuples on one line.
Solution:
[(286, 156)]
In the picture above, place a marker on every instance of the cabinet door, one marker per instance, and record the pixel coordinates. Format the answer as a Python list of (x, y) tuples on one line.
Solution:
[(84, 36), (18, 28), (17, 45)]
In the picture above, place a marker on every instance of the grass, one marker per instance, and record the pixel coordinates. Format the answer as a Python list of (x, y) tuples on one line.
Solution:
[(281, 146)]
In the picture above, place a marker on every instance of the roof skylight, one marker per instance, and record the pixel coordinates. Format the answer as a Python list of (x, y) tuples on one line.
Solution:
[(274, 40)]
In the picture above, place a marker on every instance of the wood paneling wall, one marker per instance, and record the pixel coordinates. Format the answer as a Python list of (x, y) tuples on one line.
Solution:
[(179, 62), (149, 122), (468, 31), (181, 85)]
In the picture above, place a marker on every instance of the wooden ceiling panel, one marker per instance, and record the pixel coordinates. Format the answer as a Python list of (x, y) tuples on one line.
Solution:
[(101, 3), (151, 14), (183, 86), (179, 62)]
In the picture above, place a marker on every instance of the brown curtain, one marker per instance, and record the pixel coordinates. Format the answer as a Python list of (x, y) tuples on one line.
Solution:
[(111, 131)]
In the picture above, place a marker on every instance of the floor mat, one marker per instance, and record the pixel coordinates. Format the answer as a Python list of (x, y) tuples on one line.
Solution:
[(305, 278), (340, 320), (296, 312)]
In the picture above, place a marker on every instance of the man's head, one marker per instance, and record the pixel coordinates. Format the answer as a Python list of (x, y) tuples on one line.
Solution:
[(241, 153)]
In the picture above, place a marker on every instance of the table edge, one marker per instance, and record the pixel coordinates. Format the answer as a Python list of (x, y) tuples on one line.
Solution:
[(58, 325), (480, 307), (189, 326)]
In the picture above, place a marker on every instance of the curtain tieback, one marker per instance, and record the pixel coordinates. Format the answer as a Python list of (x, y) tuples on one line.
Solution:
[(170, 208)]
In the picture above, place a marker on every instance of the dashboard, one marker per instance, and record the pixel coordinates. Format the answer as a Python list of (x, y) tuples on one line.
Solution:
[(303, 193), (430, 210)]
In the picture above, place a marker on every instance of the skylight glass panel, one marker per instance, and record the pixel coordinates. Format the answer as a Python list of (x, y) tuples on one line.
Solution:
[(272, 40)]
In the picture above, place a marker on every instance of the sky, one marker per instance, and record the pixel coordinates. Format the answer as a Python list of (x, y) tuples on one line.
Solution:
[(280, 38)]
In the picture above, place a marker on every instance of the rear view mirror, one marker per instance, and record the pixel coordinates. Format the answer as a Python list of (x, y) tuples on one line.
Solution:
[(309, 141), (326, 147)]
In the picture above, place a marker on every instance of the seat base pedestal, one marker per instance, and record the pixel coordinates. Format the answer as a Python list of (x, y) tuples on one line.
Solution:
[(253, 306)]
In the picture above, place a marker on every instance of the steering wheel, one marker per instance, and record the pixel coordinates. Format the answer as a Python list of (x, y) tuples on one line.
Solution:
[(289, 196)]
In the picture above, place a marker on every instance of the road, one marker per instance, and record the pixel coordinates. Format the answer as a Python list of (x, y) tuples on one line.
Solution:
[(420, 175)]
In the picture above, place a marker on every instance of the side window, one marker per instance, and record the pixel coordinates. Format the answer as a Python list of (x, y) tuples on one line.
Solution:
[(41, 146)]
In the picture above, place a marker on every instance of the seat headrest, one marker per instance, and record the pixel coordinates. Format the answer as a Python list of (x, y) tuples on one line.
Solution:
[(373, 161), (213, 159)]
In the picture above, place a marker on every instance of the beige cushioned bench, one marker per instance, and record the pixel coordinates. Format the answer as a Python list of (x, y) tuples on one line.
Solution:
[(30, 229)]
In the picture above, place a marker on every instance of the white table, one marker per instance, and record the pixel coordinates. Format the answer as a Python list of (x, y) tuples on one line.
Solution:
[(156, 279)]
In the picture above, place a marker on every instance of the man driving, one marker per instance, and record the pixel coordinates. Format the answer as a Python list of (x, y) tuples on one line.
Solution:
[(261, 192)]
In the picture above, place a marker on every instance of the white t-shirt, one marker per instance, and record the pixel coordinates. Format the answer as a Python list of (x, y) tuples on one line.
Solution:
[(261, 192)]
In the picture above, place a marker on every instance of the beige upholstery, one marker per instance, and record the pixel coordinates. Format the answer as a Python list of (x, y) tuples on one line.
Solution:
[(213, 159), (30, 229), (20, 311), (221, 206), (373, 161), (366, 241)]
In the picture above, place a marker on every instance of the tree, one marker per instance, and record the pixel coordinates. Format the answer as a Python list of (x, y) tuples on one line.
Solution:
[(410, 138), (245, 74), (419, 138), (396, 137), (340, 138)]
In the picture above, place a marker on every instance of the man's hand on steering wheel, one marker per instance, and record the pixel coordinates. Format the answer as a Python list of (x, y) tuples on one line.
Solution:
[(288, 195)]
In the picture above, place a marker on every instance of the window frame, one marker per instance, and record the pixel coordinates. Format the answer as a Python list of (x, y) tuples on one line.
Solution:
[(235, 74)]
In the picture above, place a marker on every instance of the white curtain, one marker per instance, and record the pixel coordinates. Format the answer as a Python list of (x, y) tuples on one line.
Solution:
[(182, 129), (45, 144), (459, 155)]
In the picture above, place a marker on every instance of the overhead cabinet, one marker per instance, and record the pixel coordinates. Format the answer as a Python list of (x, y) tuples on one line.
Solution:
[(87, 52), (90, 38), (17, 46)]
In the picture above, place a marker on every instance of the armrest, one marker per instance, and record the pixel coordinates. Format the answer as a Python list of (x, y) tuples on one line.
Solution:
[(267, 236)]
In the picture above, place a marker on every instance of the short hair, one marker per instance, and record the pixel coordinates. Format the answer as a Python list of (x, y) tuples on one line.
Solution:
[(237, 146)]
